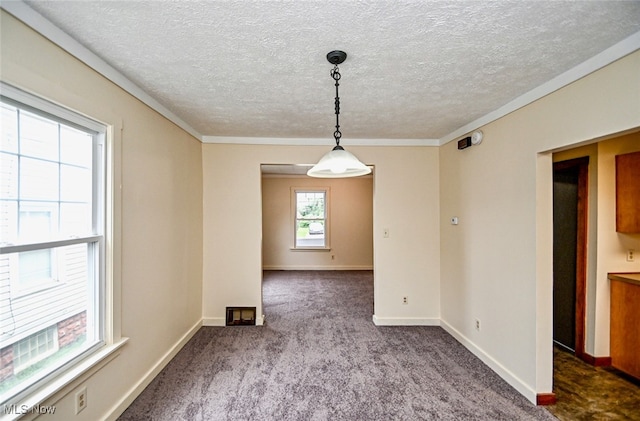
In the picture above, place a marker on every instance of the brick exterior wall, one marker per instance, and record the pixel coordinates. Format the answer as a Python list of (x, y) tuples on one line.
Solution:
[(71, 329), (6, 362)]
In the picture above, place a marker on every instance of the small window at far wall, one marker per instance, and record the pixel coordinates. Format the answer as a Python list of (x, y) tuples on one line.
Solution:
[(311, 222)]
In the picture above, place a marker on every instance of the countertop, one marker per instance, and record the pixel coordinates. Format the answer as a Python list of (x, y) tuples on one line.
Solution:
[(632, 278)]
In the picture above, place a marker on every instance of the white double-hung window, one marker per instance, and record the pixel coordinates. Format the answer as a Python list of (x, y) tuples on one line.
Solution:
[(310, 207), (52, 227)]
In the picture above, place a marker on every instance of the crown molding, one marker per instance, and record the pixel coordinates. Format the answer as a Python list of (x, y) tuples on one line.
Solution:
[(284, 141)]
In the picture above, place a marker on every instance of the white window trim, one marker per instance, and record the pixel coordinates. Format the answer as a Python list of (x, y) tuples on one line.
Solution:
[(327, 218), (88, 363)]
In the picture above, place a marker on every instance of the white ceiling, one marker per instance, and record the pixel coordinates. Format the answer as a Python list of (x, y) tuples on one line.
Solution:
[(416, 69)]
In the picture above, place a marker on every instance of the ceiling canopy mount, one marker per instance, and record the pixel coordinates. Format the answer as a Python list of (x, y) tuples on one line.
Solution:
[(336, 57)]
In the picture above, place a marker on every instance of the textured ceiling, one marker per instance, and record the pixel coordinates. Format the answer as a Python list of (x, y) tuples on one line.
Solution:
[(415, 69)]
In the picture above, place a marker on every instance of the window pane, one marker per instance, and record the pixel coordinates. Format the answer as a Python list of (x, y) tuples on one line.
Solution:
[(38, 179), (9, 139), (8, 221), (75, 147), (75, 219), (37, 221), (54, 317), (310, 205), (35, 348), (310, 233), (75, 184), (8, 176), (38, 136), (35, 268)]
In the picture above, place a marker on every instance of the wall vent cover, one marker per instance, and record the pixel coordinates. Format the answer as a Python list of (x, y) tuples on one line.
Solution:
[(241, 316)]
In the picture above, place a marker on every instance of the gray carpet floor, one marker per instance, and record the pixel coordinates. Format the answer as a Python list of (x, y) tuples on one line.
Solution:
[(320, 357)]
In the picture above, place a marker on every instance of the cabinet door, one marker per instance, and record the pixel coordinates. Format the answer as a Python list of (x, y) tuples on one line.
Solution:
[(628, 193), (625, 335)]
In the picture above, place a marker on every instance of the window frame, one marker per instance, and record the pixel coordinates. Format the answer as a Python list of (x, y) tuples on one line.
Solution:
[(101, 288), (327, 218)]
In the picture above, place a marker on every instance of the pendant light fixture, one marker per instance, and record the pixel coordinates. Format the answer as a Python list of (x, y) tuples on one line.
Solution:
[(338, 163)]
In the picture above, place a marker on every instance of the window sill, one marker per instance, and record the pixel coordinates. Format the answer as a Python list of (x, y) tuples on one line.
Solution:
[(310, 248), (70, 379)]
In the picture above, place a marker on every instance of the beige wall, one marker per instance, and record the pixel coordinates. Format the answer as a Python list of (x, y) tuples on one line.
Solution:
[(405, 200), (350, 229), (497, 263), (157, 240)]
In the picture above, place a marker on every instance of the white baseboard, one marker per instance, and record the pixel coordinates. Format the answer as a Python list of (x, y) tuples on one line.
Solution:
[(318, 267), (133, 393), (501, 370), (214, 321), (405, 321)]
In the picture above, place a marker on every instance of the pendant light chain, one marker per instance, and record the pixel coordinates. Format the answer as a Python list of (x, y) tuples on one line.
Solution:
[(335, 74)]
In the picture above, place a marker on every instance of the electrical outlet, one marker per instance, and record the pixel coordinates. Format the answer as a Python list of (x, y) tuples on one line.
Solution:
[(631, 256), (81, 399), (478, 325), (405, 300)]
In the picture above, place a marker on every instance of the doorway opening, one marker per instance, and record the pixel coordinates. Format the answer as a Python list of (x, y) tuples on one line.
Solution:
[(315, 224), (570, 207)]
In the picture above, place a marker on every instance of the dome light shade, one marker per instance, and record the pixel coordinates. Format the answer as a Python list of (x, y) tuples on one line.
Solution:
[(338, 163)]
